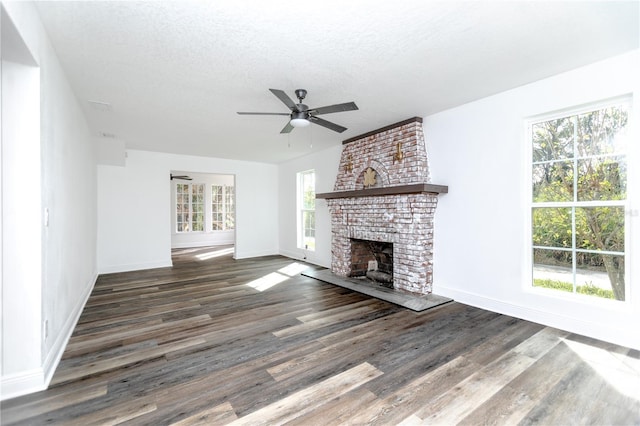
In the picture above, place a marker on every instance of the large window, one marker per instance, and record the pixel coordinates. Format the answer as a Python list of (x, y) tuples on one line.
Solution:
[(189, 207), (192, 207), (579, 193), (307, 210), (222, 208)]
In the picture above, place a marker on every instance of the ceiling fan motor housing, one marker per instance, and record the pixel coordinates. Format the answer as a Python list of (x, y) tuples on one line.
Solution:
[(304, 115)]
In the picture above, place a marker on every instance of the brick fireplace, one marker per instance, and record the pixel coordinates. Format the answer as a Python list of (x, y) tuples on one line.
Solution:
[(383, 195)]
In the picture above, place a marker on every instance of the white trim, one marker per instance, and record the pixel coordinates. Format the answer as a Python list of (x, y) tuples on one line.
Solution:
[(55, 353), (249, 254), (22, 383), (204, 244), (135, 266), (591, 327), (625, 98), (311, 257)]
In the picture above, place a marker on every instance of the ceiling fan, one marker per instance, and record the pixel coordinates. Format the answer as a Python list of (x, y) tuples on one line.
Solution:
[(301, 115), (180, 177)]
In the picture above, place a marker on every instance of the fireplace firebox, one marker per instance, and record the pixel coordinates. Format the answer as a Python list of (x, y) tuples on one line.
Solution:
[(372, 259)]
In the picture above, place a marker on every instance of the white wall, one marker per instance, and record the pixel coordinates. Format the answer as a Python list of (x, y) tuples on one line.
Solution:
[(134, 213), (325, 163), (206, 237), (21, 230), (65, 251), (480, 254)]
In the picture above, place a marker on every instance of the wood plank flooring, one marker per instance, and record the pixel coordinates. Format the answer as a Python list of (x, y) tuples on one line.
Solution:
[(219, 341)]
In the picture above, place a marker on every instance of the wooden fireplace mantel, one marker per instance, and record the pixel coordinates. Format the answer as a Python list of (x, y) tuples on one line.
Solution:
[(416, 188)]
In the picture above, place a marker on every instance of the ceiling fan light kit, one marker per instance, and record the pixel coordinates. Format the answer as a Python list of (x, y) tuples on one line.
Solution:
[(301, 115), (299, 119)]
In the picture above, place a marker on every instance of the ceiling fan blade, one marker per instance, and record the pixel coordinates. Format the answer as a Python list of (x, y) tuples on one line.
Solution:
[(327, 124), (284, 98), (288, 128), (348, 106), (264, 113)]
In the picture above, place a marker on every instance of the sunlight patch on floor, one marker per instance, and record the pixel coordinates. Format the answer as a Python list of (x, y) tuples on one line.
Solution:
[(275, 278), (268, 281), (622, 372), (214, 253), (293, 269)]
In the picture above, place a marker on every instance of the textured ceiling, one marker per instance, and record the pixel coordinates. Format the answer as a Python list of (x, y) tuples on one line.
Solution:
[(175, 73)]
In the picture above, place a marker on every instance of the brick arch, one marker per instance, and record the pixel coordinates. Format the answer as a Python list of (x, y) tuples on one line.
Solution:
[(382, 174)]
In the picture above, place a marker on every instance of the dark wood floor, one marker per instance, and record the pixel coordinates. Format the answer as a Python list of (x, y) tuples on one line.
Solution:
[(217, 341)]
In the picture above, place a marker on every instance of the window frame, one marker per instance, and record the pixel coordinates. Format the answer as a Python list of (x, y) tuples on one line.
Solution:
[(228, 208), (190, 204), (529, 163), (301, 238)]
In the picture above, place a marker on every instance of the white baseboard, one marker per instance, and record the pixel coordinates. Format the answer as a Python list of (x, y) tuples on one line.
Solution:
[(310, 258), (586, 327), (22, 383), (52, 359), (250, 254), (109, 269), (202, 244), (35, 380)]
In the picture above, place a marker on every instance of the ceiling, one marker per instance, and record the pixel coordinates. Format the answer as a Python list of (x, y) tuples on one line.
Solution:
[(174, 73)]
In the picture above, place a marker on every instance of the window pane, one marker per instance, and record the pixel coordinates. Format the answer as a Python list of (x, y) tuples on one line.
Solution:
[(309, 193), (602, 131), (553, 181), (552, 227), (600, 275), (306, 201), (553, 139), (602, 178), (229, 207), (553, 269), (600, 228)]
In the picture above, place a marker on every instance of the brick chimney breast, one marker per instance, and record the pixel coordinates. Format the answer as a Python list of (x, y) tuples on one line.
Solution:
[(398, 208)]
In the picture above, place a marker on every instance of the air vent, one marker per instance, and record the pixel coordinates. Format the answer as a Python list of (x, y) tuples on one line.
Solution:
[(106, 135)]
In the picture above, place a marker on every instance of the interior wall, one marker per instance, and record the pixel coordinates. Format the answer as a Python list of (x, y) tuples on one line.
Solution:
[(21, 230), (206, 237), (62, 209), (481, 229), (325, 163), (134, 217)]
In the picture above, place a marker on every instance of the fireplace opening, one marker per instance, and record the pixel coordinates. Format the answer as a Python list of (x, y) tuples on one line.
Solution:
[(373, 260)]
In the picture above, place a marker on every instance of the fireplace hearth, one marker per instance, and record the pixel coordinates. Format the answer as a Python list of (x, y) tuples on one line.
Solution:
[(384, 203)]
